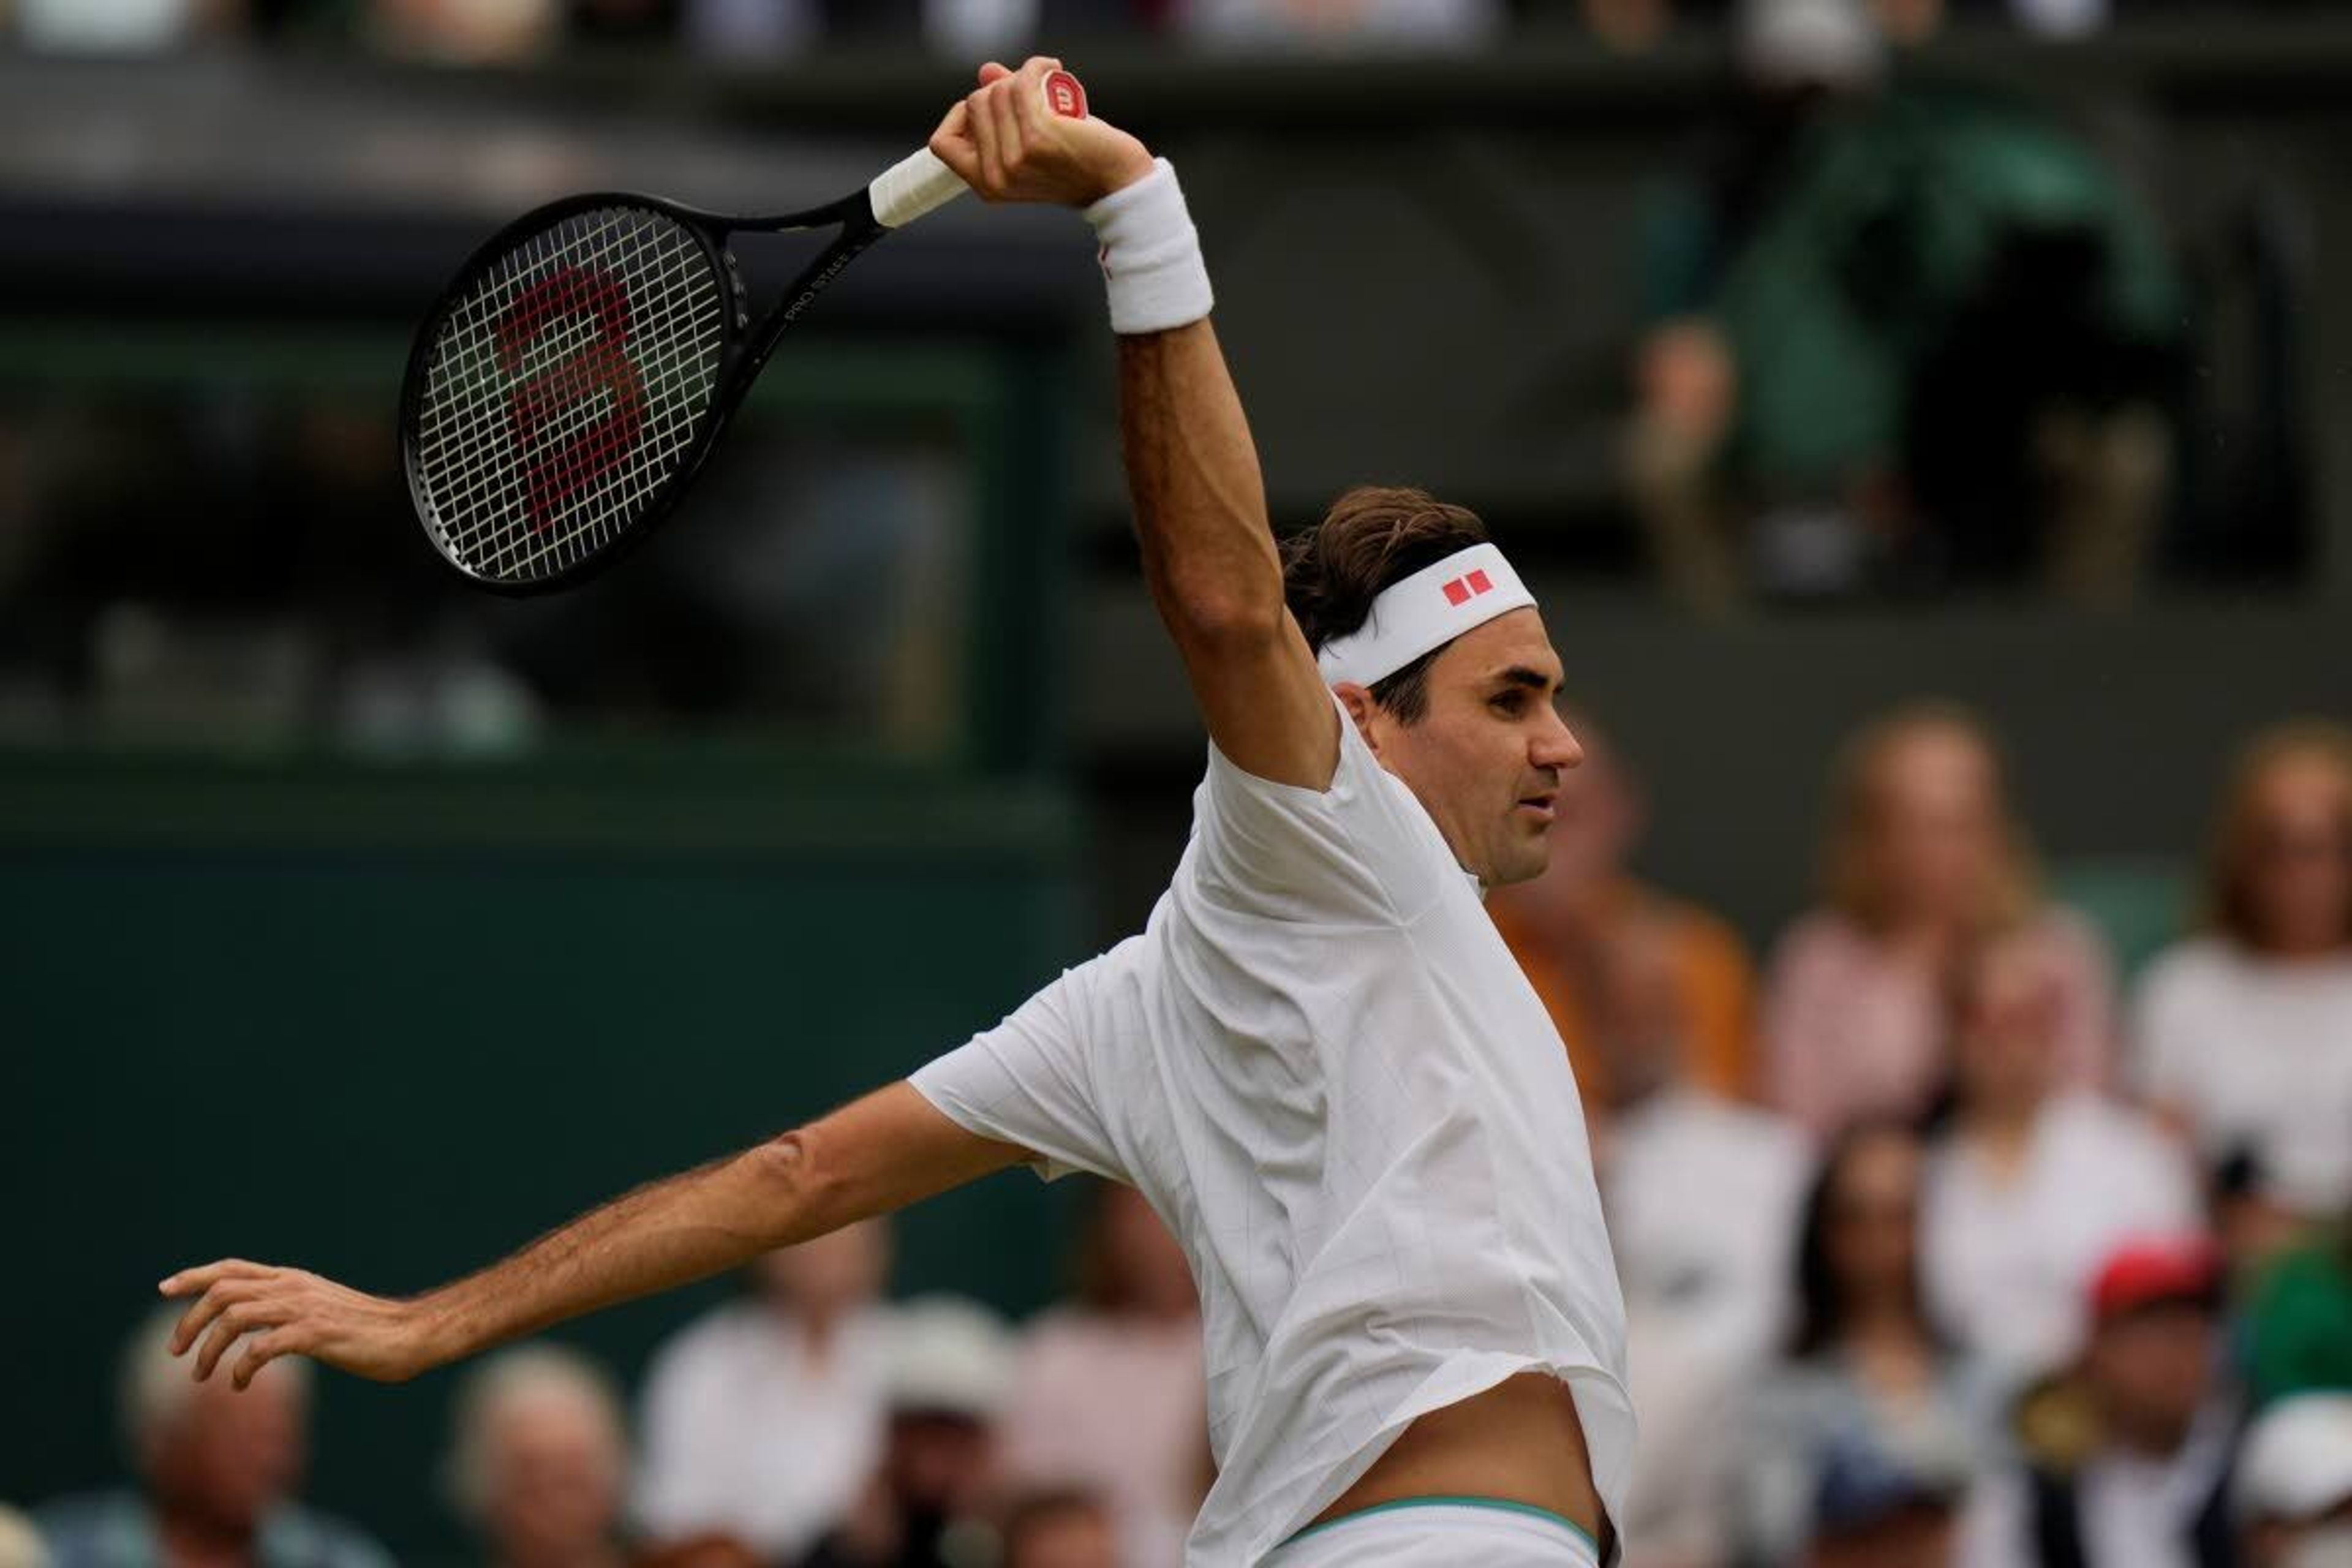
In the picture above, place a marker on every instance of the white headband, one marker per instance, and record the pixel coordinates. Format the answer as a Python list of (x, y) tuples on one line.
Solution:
[(1426, 610)]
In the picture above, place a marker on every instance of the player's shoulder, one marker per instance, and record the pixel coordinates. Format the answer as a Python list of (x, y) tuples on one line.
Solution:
[(2187, 969)]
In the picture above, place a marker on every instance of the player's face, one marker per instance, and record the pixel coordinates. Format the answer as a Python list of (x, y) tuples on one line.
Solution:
[(1486, 758)]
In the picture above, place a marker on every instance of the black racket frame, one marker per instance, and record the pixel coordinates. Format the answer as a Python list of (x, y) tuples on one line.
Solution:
[(744, 351)]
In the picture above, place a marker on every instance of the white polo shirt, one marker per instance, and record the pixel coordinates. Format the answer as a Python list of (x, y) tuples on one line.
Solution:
[(1325, 1070)]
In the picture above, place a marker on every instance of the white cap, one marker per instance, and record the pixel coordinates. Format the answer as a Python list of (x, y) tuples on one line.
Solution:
[(950, 1354), (2297, 1461)]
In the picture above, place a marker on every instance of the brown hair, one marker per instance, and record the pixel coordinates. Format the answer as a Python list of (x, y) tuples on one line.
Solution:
[(1849, 878), (2227, 904), (1372, 536)]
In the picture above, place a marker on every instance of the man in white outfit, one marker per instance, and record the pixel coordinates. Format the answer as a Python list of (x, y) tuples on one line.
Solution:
[(1318, 1062)]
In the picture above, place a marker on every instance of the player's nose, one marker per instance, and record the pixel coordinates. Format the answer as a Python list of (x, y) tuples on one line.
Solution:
[(1555, 745)]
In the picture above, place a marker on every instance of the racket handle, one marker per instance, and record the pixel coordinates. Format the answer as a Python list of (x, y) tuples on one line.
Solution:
[(920, 184)]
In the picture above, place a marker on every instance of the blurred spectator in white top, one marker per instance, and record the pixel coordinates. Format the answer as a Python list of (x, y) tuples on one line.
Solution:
[(1066, 1529), (219, 1471), (539, 1458), (951, 1370), (1923, 858), (118, 26), (2128, 1464), (1702, 1197), (2294, 1485), (2032, 1182), (1856, 1449), (1109, 1392), (20, 1544), (2244, 1034), (762, 1419), (1343, 26)]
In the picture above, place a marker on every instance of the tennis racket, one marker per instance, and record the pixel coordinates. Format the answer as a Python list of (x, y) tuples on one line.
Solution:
[(577, 374)]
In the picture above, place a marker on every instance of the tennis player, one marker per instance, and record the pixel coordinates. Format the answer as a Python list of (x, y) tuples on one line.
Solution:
[(1319, 1061)]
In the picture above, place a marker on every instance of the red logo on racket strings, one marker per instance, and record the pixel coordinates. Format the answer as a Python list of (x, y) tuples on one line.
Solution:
[(1462, 590), (557, 474)]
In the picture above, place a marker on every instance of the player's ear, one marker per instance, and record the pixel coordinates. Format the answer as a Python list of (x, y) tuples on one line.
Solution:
[(1360, 708)]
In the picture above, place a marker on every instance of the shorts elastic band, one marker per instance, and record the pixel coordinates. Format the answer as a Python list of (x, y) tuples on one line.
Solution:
[(1500, 1504)]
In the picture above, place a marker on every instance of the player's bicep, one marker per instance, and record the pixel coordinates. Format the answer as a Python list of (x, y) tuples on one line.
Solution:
[(890, 1149), (1265, 702)]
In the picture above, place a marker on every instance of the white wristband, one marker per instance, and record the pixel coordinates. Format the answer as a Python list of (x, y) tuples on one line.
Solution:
[(1152, 255)]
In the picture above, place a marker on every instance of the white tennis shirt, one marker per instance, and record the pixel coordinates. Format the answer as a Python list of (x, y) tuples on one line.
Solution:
[(1325, 1070)]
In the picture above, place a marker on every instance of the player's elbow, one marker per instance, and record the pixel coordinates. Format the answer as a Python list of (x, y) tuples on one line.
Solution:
[(1221, 620), (800, 1187)]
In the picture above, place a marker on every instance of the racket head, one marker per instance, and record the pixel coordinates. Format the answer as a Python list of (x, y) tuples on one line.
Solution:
[(569, 383)]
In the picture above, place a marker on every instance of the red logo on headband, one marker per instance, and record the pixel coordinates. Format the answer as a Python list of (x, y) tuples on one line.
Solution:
[(1462, 590)]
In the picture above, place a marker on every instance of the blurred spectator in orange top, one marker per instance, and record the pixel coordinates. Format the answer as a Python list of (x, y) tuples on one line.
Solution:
[(1561, 927), (1923, 858), (2033, 1183), (541, 1458), (1108, 1393), (1060, 1530), (2244, 1033), (764, 1418)]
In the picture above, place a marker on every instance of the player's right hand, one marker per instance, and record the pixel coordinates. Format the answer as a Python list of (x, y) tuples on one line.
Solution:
[(288, 1312), (1009, 147)]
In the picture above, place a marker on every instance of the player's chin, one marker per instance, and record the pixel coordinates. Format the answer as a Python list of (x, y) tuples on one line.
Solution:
[(1523, 856)]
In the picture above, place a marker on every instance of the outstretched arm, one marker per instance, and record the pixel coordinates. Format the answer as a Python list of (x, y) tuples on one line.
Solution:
[(878, 1154), (1192, 469)]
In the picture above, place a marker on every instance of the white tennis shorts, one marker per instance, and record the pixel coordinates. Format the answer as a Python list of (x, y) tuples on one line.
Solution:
[(1450, 1532)]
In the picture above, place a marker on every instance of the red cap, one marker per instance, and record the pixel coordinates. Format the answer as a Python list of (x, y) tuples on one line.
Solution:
[(2150, 1269)]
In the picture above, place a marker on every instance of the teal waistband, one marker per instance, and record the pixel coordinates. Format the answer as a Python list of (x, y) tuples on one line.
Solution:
[(1500, 1505)]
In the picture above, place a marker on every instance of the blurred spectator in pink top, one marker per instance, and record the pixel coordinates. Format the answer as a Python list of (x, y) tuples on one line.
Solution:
[(1923, 858), (1109, 1392)]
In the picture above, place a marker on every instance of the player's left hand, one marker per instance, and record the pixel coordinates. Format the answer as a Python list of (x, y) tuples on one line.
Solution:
[(1009, 147), (287, 1311)]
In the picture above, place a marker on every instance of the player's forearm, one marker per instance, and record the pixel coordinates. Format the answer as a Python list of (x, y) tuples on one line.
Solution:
[(1198, 498), (671, 1232)]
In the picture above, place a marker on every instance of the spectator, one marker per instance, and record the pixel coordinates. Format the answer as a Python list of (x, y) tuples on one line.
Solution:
[(218, 1471), (1923, 858), (2298, 1325), (950, 1374), (2032, 1184), (1701, 1195), (1449, 26), (540, 1460), (1108, 1391), (762, 1419), (1895, 336), (2294, 1485), (2244, 1033), (2129, 1466), (20, 1544), (1561, 925), (1858, 1443), (1060, 1530)]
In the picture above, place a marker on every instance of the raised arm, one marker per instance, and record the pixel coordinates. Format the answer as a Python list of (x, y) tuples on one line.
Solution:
[(878, 1154), (1192, 470)]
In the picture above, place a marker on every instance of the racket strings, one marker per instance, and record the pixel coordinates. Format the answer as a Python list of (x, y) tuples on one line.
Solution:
[(563, 387)]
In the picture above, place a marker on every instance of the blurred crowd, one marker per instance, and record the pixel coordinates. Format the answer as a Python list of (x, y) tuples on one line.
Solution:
[(478, 30), (1942, 1246)]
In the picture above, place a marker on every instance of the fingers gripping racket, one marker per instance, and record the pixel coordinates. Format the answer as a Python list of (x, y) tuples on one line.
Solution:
[(577, 372)]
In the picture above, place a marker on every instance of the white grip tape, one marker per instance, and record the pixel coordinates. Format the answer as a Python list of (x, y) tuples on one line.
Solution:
[(1152, 255), (915, 185)]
